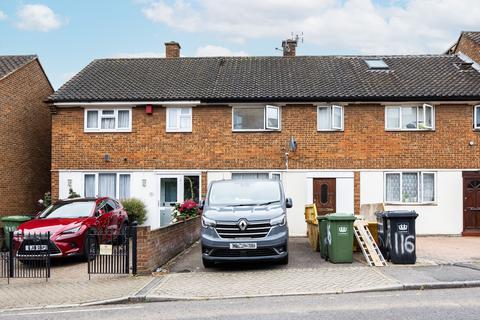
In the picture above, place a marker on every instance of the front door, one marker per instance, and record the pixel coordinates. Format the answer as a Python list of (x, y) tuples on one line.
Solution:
[(171, 192), (471, 203), (324, 195)]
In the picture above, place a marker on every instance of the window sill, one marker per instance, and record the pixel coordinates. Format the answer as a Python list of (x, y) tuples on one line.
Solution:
[(256, 130), (108, 131), (410, 130), (330, 130), (178, 131), (411, 204)]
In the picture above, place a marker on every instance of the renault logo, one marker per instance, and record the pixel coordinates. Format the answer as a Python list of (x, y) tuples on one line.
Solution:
[(242, 225)]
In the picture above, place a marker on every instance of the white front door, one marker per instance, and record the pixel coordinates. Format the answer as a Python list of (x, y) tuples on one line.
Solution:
[(171, 192)]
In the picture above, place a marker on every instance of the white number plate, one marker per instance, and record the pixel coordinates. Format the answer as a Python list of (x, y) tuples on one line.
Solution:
[(36, 247), (246, 245)]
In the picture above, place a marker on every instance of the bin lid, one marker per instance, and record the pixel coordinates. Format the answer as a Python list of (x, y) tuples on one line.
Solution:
[(16, 218), (400, 214), (341, 216), (323, 217)]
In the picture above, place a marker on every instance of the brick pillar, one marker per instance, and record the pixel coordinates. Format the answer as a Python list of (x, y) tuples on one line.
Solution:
[(204, 185), (54, 185), (356, 190)]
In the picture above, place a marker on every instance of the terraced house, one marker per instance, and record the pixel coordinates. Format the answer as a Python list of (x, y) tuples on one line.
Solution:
[(340, 131)]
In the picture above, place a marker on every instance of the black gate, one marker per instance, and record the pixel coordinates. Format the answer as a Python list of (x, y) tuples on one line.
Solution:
[(26, 256), (113, 253)]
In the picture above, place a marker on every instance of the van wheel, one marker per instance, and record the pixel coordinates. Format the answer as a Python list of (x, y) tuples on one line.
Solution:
[(207, 263), (284, 261)]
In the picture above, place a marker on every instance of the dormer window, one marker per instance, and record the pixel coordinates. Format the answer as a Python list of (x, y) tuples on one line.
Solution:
[(376, 64)]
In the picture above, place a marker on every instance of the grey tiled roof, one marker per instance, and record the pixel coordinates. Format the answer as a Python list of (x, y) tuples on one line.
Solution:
[(474, 35), (302, 78), (8, 64)]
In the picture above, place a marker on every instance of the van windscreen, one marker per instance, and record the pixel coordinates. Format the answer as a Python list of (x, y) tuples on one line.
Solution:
[(244, 193)]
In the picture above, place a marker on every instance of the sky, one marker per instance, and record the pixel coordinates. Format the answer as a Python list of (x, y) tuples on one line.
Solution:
[(68, 34)]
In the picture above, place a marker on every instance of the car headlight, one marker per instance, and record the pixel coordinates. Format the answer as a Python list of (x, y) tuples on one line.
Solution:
[(208, 222), (72, 230), (279, 221)]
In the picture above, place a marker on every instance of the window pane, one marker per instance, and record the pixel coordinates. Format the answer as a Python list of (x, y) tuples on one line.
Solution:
[(429, 117), (185, 111), (477, 110), (393, 118), (249, 175), (409, 118), (108, 112), (124, 119), (337, 117), (272, 117), (393, 186), (185, 122), (276, 176), (89, 185), (92, 119), (410, 187), (191, 188), (108, 123), (107, 184), (172, 118), (124, 186), (428, 187), (324, 118), (248, 118)]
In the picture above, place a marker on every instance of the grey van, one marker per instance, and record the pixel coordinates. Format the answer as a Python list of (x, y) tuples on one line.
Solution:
[(245, 220)]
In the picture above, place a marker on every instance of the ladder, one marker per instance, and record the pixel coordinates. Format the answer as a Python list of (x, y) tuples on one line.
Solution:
[(369, 248)]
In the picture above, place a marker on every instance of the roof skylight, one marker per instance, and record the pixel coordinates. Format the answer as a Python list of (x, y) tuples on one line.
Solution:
[(376, 64)]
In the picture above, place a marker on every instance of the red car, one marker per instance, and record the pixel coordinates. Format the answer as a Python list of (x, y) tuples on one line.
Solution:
[(69, 222)]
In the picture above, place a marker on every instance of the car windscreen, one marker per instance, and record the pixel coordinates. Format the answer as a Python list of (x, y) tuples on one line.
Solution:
[(242, 192), (69, 210)]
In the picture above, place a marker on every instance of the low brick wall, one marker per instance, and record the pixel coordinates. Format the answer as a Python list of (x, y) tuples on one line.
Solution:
[(156, 247)]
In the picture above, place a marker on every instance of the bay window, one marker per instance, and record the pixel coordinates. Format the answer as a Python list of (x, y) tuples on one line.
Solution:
[(330, 118), (108, 120), (410, 117), (256, 118), (410, 187)]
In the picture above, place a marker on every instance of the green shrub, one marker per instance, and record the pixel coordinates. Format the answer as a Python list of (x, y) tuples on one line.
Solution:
[(136, 210)]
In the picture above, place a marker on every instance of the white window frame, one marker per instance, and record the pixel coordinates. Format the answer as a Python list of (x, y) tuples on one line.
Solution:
[(100, 116), (420, 186), (475, 117), (265, 126), (270, 173), (332, 118), (117, 182), (177, 127), (424, 107)]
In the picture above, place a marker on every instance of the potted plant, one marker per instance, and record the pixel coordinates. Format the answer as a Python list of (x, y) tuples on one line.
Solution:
[(186, 210)]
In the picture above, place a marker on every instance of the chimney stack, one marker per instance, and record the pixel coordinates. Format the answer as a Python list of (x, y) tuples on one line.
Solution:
[(172, 49), (289, 47)]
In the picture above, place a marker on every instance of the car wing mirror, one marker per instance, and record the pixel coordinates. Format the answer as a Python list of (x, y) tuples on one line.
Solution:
[(100, 212), (288, 203)]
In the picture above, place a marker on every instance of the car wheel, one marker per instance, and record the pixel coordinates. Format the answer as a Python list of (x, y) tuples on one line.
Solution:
[(207, 263), (90, 248)]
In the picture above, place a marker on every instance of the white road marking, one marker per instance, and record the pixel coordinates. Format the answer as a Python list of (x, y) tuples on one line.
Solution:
[(68, 311)]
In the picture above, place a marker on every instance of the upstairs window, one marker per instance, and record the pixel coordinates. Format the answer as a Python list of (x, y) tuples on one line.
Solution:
[(259, 118), (108, 120), (410, 187), (476, 117), (330, 118), (179, 119), (410, 118)]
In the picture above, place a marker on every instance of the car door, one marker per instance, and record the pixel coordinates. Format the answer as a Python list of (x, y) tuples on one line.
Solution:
[(103, 214), (115, 221)]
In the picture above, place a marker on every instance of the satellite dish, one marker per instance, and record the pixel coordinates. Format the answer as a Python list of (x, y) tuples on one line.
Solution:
[(293, 144)]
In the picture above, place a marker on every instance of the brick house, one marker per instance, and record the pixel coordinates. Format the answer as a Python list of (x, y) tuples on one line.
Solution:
[(468, 47), (25, 130), (340, 131)]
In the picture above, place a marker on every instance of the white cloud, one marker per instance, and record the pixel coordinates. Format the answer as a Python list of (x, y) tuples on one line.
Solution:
[(411, 26), (3, 16), (38, 17), (139, 55), (216, 51)]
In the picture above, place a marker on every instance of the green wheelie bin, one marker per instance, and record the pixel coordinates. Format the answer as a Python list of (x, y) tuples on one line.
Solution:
[(322, 235), (340, 237), (11, 223)]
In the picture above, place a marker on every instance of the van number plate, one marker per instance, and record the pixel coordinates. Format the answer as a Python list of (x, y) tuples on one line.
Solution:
[(247, 245)]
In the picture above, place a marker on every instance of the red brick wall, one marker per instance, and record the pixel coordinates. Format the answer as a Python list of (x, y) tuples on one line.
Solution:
[(157, 247), (469, 47), (212, 145), (25, 131)]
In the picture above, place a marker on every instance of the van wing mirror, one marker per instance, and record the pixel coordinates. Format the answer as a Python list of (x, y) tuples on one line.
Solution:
[(288, 203)]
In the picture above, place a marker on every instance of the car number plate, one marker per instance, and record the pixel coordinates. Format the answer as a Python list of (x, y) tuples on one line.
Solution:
[(36, 247), (246, 245)]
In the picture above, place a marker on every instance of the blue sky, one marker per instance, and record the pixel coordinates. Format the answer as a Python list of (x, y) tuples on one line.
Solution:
[(67, 35)]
